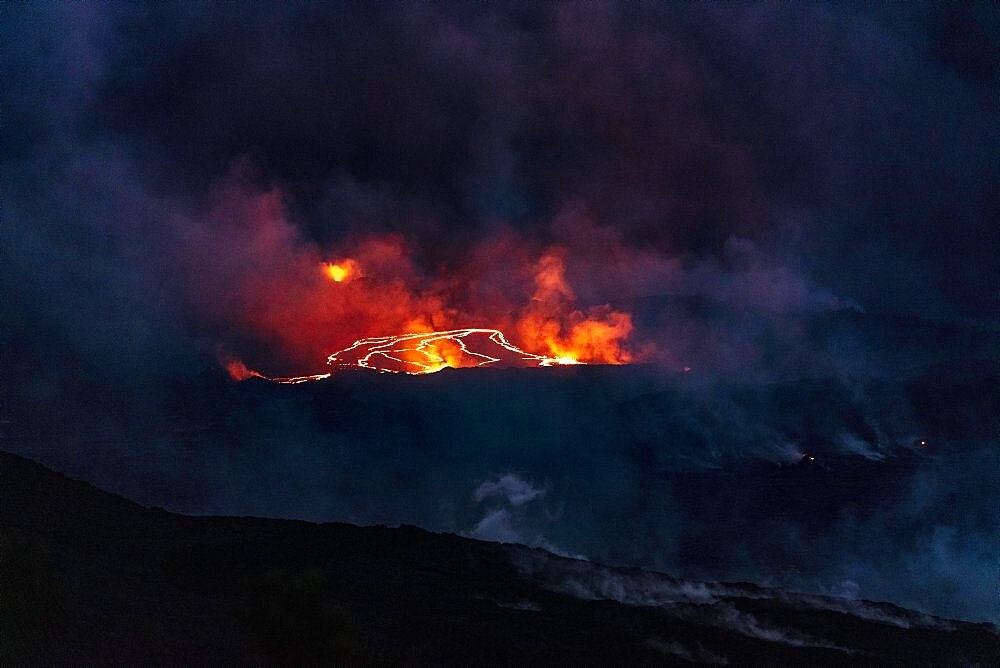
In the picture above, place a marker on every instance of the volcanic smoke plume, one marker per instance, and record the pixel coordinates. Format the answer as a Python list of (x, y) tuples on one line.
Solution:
[(283, 181), (309, 303)]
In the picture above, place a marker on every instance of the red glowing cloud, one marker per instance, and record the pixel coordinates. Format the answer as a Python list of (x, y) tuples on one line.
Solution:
[(258, 277)]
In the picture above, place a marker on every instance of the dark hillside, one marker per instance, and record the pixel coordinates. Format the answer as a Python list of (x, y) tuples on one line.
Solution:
[(89, 577)]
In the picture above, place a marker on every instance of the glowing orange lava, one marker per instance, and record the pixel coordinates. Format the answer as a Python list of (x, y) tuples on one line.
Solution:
[(432, 351), (301, 301), (340, 272), (295, 380), (420, 353), (549, 325)]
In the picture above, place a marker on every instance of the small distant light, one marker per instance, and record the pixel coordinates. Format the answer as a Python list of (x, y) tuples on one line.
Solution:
[(811, 458), (923, 442), (687, 369)]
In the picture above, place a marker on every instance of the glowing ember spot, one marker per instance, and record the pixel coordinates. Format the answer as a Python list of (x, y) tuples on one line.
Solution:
[(427, 352), (341, 271)]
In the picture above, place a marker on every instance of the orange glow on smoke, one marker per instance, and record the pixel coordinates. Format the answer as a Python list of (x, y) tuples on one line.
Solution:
[(239, 371), (597, 336), (296, 303)]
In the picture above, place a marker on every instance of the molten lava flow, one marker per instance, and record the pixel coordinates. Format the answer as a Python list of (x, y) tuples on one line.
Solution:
[(423, 353), (295, 380), (551, 329), (420, 353)]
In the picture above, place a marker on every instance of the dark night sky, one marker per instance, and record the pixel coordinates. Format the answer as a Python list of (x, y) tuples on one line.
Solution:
[(772, 190), (853, 148)]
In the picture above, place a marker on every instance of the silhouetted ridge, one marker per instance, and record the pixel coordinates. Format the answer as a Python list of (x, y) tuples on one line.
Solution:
[(90, 577)]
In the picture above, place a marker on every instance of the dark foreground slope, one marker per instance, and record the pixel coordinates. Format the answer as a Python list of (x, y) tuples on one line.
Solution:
[(89, 577)]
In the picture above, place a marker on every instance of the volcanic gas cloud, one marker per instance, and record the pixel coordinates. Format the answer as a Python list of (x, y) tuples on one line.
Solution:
[(370, 305)]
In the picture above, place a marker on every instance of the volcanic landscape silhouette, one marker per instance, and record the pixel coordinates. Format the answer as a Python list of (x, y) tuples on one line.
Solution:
[(527, 332)]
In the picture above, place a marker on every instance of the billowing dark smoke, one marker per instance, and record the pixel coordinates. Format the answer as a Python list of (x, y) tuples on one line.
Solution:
[(162, 160), (755, 194)]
